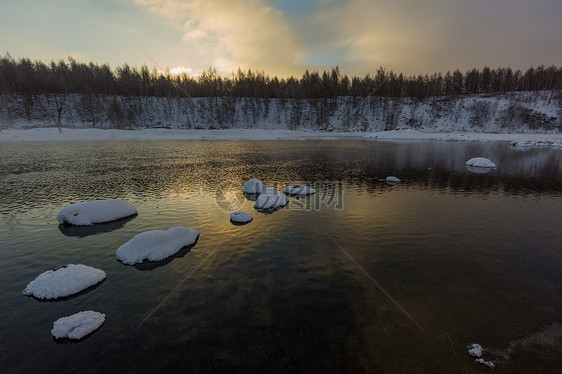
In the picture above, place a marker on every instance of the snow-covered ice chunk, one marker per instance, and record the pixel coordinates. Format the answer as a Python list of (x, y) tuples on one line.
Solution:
[(480, 162), (475, 350), (156, 245), (299, 190), (254, 186), (64, 281), (489, 364), (240, 217), (77, 325), (90, 212), (271, 199), (392, 180)]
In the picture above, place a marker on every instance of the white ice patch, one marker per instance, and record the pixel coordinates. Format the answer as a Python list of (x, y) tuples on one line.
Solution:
[(271, 199), (156, 245), (254, 186), (392, 180), (77, 325), (299, 190), (241, 217), (64, 281), (489, 364), (475, 350), (480, 162), (90, 212)]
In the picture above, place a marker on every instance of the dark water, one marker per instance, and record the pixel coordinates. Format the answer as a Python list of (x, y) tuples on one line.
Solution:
[(362, 277)]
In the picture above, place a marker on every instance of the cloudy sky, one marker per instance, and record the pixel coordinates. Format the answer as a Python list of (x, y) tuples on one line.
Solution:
[(285, 37)]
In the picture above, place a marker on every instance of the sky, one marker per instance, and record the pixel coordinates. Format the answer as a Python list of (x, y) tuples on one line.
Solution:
[(287, 37)]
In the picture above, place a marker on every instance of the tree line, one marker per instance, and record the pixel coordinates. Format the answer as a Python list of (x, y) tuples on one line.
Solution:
[(28, 77)]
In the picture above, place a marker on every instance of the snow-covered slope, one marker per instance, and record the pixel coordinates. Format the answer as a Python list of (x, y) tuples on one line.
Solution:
[(521, 112)]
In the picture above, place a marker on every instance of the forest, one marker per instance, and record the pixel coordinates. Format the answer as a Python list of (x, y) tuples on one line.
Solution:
[(73, 94), (24, 76)]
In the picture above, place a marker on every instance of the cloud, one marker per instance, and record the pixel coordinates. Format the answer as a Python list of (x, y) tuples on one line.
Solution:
[(409, 36), (228, 34), (424, 37)]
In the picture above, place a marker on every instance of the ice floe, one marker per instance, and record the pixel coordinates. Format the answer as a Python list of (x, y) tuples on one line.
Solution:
[(90, 212), (271, 199), (299, 190), (77, 325), (480, 162), (254, 186), (64, 281), (392, 180), (156, 245), (241, 217)]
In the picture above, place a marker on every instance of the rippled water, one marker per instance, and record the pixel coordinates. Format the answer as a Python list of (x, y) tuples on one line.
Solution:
[(361, 277)]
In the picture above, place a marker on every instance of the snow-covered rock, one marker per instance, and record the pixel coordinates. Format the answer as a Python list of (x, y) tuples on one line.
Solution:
[(156, 245), (90, 212), (299, 190), (478, 170), (392, 180), (254, 186), (480, 162), (271, 199), (475, 350), (65, 281), (489, 364), (241, 217), (77, 325)]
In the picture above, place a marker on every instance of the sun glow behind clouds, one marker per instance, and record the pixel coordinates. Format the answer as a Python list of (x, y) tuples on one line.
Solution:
[(178, 70)]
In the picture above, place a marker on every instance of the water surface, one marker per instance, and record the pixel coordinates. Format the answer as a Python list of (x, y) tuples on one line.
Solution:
[(361, 277)]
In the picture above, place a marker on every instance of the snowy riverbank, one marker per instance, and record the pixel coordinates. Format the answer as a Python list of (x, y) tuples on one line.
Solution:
[(53, 135)]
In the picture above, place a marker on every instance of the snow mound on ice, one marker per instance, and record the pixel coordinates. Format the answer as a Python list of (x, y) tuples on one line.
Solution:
[(480, 162), (241, 217), (90, 212), (271, 199), (392, 180), (77, 325), (475, 350), (254, 186), (299, 190), (65, 281), (156, 245), (489, 364)]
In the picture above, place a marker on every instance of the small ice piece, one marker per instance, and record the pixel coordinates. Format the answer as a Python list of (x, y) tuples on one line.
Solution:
[(254, 186), (299, 190), (241, 217), (475, 350), (90, 212), (480, 162), (64, 281), (156, 245), (392, 180), (77, 325), (489, 364), (271, 199)]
